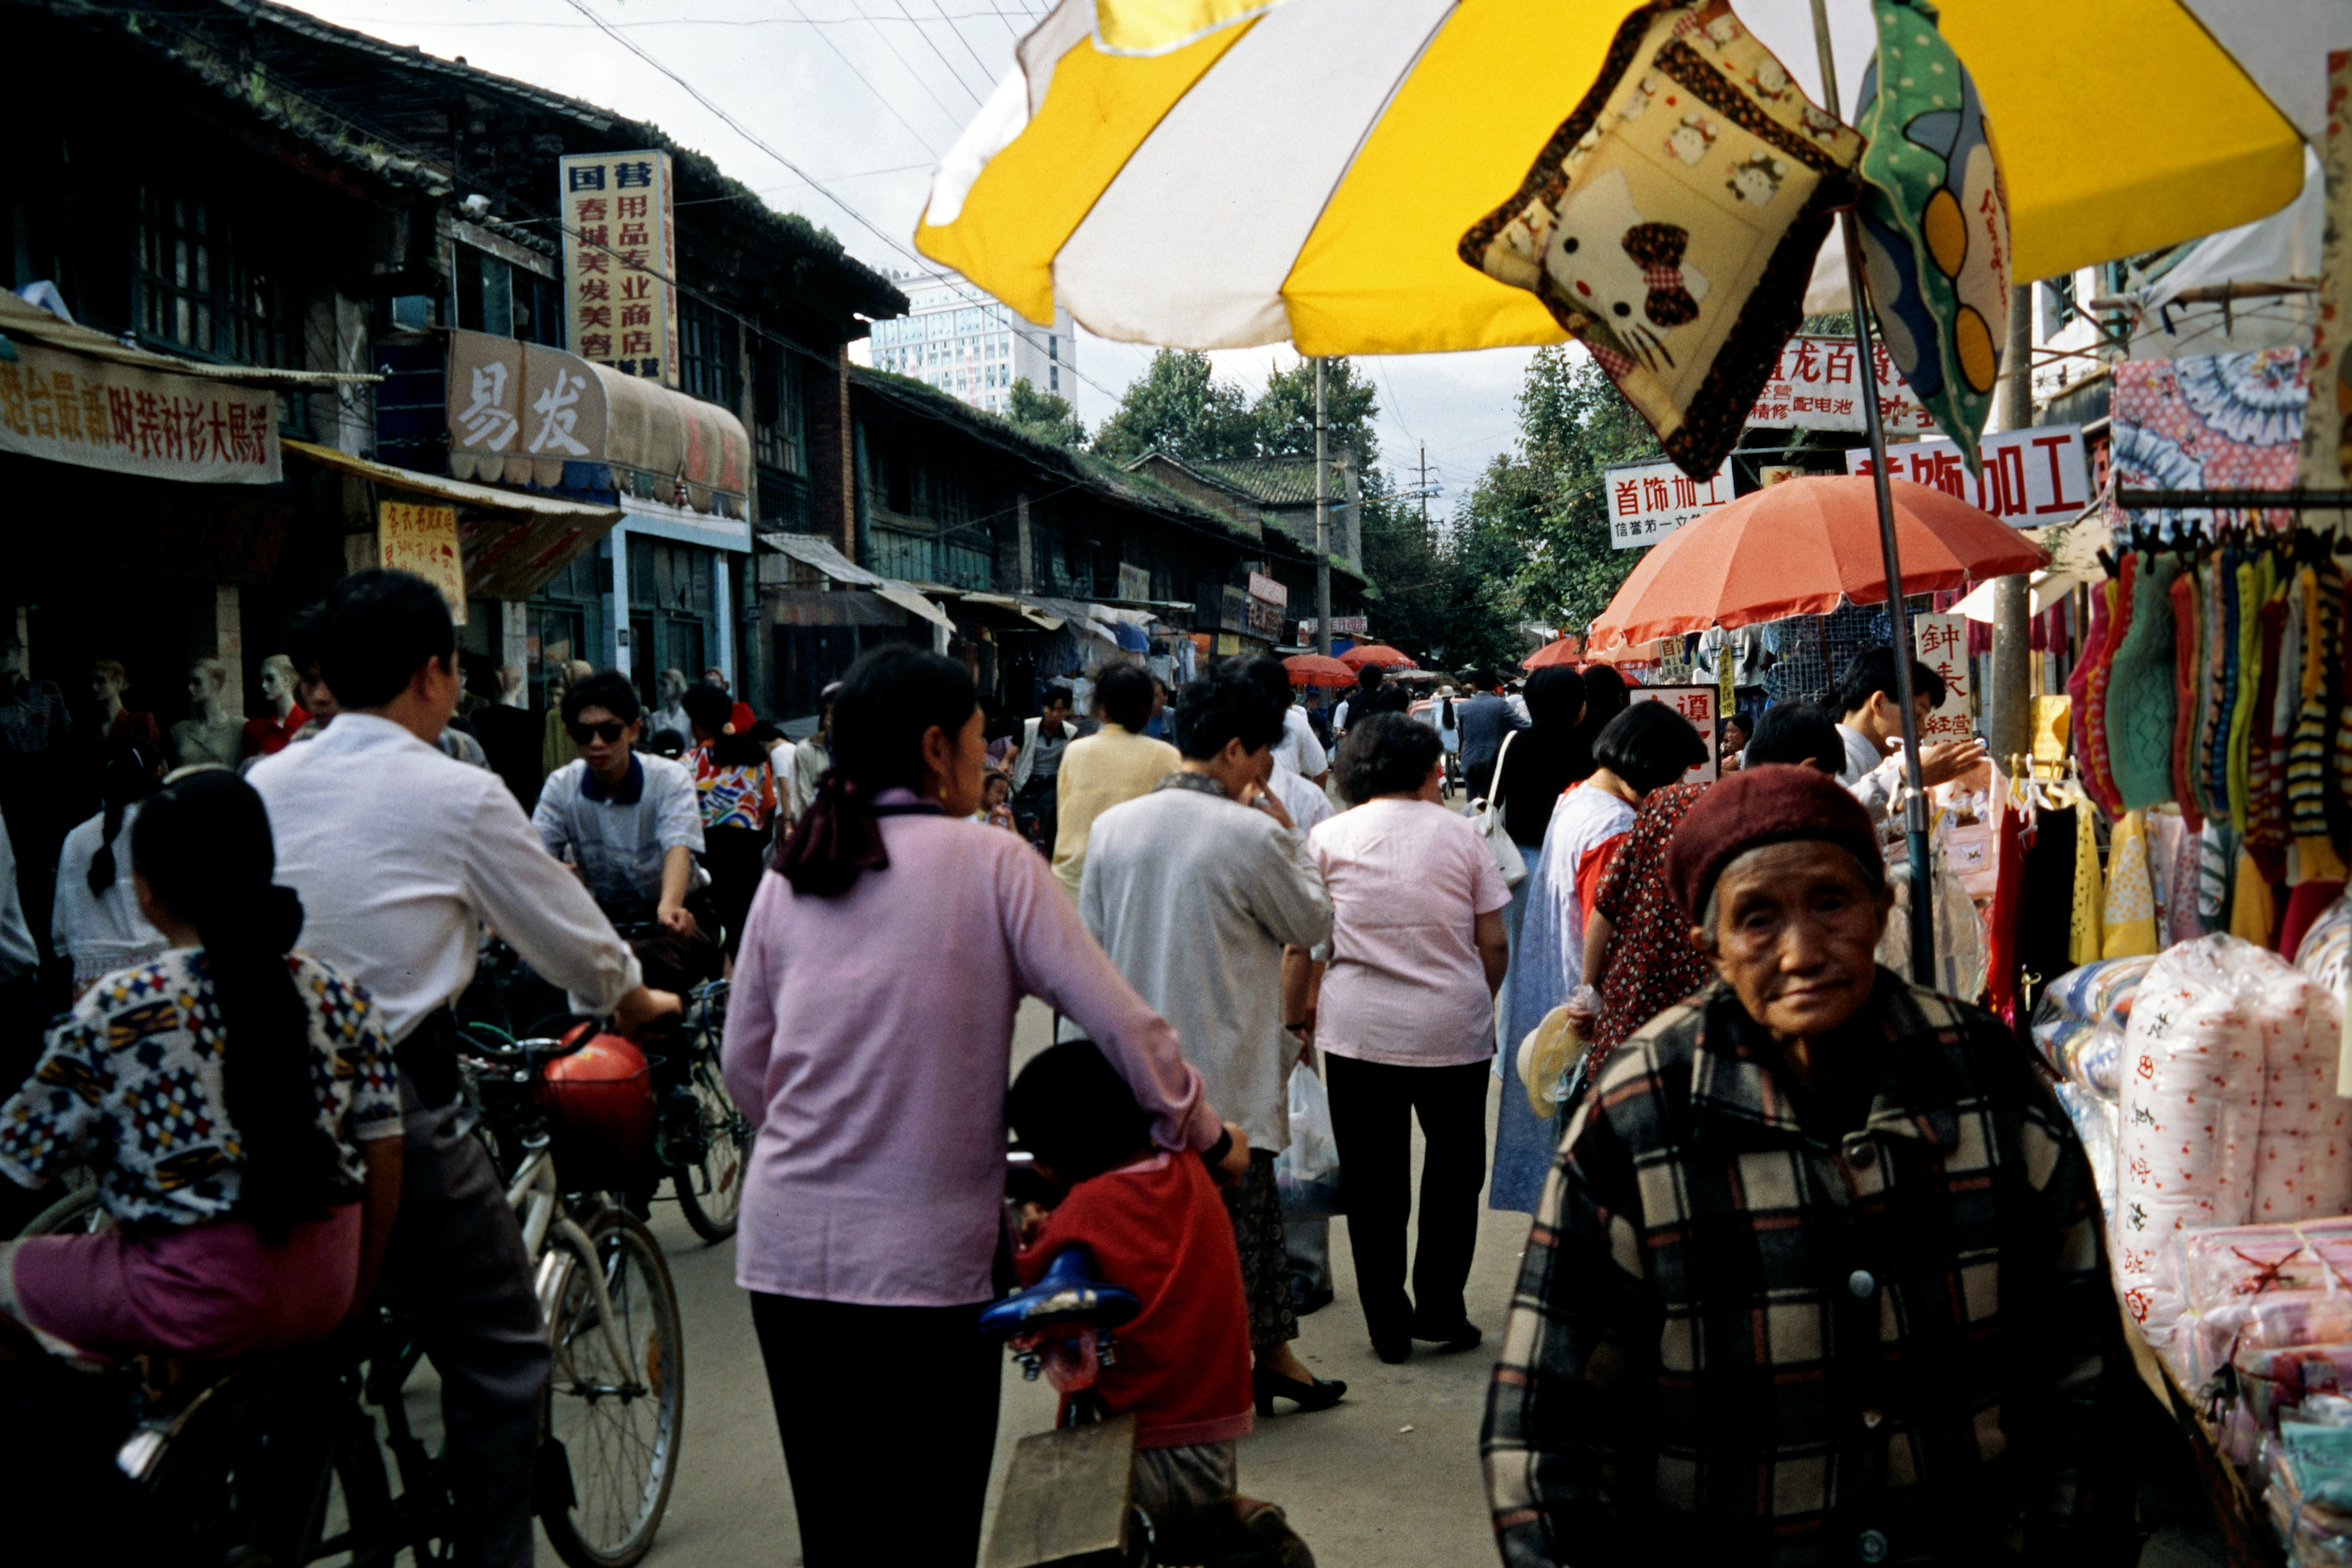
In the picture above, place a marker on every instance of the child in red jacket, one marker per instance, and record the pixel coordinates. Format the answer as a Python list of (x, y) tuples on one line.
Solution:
[(1155, 1224)]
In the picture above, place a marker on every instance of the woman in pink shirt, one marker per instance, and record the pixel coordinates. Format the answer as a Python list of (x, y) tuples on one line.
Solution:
[(869, 1042), (1407, 1024)]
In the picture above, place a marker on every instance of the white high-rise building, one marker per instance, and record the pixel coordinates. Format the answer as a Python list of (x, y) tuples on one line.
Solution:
[(971, 345)]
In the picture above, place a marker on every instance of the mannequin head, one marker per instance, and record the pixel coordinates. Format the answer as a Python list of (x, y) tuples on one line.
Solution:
[(278, 683), (511, 685), (716, 676), (107, 681), (669, 686), (206, 679)]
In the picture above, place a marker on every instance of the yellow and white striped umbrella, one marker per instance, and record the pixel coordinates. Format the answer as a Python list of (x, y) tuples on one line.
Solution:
[(1218, 173)]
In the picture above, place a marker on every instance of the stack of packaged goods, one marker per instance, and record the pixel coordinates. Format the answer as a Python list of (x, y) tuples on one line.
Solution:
[(2079, 1029)]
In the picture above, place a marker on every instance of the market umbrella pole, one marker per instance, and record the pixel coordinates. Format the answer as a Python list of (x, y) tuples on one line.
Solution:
[(1914, 805)]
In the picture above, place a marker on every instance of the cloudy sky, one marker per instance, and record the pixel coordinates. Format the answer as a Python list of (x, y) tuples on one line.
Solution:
[(865, 95)]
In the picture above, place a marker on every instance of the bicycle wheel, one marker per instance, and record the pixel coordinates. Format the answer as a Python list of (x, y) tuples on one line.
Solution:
[(619, 1420), (711, 1190)]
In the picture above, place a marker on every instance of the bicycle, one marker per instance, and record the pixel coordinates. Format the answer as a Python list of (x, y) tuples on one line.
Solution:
[(278, 1459)]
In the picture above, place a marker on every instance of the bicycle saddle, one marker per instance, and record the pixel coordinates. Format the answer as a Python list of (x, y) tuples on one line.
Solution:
[(1066, 1294)]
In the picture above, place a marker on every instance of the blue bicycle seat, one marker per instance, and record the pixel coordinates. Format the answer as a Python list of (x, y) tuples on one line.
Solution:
[(1068, 1292)]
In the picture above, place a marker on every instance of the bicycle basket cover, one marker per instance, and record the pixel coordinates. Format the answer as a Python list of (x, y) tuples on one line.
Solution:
[(600, 1107)]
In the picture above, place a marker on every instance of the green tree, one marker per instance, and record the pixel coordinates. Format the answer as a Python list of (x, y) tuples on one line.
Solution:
[(1177, 406), (1538, 518), (1438, 601), (1042, 417), (1285, 414)]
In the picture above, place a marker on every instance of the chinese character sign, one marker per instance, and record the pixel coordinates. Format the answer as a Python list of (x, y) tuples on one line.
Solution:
[(1817, 385), (1941, 643), (98, 414), (2030, 478), (1696, 703), (1647, 501), (414, 537), (620, 253)]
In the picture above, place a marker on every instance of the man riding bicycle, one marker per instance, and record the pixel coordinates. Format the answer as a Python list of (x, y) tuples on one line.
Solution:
[(400, 854), (631, 823)]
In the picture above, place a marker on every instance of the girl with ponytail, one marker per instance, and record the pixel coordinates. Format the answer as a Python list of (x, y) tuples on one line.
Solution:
[(236, 1099), (869, 1041), (97, 922)]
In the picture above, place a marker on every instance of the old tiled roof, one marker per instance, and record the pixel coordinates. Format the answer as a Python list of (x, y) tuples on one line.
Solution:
[(1277, 481)]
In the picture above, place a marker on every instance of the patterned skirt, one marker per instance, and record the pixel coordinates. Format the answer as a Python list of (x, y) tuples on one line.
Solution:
[(1255, 1205)]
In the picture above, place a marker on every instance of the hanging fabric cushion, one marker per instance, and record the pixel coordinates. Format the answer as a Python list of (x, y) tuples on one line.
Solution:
[(2140, 702), (1671, 222), (1935, 220)]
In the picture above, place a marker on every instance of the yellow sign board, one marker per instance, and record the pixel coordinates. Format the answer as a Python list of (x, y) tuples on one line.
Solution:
[(414, 537), (620, 257)]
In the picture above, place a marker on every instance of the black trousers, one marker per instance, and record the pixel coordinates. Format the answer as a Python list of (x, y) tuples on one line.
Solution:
[(866, 1397), (736, 859), (1477, 778), (1372, 1105)]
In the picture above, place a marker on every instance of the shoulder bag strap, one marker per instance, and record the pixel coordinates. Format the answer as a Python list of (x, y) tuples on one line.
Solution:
[(1495, 784)]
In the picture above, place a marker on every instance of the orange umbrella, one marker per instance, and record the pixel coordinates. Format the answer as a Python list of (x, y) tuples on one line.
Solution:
[(1561, 650), (1799, 547), (1314, 669), (1376, 652)]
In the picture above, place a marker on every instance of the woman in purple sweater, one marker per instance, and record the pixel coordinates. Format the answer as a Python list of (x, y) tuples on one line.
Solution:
[(869, 1041)]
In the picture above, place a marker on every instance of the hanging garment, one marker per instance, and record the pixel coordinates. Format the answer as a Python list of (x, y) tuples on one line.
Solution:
[(2253, 913), (2098, 767), (2003, 928), (2305, 905), (2164, 832), (2188, 690), (2333, 590), (2129, 915), (2225, 689), (2140, 701), (2265, 816), (2217, 859), (2246, 626), (2309, 812), (2282, 682), (2089, 931), (2045, 924), (2089, 728), (2181, 919)]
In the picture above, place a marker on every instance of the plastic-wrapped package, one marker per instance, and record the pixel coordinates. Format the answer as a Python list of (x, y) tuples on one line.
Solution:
[(2280, 1322), (2309, 1468), (2228, 1111), (2191, 1115), (2326, 950), (2271, 1382), (2094, 1123), (2079, 1023)]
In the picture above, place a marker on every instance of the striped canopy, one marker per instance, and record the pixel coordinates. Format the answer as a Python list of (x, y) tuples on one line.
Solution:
[(1218, 173)]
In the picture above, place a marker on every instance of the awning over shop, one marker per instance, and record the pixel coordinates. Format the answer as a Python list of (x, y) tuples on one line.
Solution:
[(30, 323), (524, 414), (810, 551), (513, 541), (1011, 602)]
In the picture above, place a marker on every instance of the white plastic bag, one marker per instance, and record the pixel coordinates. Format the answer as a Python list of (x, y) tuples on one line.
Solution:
[(1307, 1175)]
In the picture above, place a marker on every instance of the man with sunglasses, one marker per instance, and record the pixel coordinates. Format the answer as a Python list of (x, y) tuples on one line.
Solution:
[(631, 825)]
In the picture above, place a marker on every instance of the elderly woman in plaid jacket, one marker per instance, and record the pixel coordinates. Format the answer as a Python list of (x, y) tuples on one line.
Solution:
[(1816, 1277)]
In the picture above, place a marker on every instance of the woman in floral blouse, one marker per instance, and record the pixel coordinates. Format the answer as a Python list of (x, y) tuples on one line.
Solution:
[(237, 1100), (738, 788)]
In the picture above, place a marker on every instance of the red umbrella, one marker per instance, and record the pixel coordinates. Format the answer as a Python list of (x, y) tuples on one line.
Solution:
[(1314, 669), (1802, 546), (1563, 650), (1376, 652)]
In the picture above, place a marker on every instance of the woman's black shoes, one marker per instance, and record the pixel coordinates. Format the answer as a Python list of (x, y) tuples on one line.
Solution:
[(1321, 1394)]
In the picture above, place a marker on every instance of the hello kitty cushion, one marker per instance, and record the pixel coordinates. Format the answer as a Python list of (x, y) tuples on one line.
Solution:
[(1670, 223)]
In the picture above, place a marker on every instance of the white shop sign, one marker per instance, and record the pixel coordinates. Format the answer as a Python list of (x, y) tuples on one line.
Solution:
[(1647, 501), (2031, 477)]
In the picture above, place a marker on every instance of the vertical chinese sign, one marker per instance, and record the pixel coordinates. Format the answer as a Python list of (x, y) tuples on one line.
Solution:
[(414, 537), (1698, 704), (620, 253), (1941, 643)]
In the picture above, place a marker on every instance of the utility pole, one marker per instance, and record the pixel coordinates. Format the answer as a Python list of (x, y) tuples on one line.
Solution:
[(1424, 488), (2009, 705), (1322, 526)]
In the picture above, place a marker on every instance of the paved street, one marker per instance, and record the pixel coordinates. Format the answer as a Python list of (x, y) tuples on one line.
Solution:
[(1365, 1491)]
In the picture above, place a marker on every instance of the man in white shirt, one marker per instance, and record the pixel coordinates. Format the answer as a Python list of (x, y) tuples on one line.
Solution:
[(810, 758), (1194, 890), (1872, 726), (1299, 750), (400, 854), (631, 823)]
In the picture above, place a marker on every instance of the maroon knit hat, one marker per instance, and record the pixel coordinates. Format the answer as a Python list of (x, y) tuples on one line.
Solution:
[(1772, 802)]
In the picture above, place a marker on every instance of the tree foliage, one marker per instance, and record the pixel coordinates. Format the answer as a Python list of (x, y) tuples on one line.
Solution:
[(1286, 413), (1538, 518), (1178, 406), (1042, 416)]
